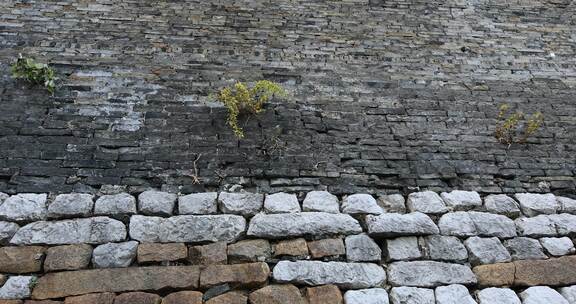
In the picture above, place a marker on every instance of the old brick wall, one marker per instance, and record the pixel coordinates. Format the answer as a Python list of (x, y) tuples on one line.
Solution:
[(385, 94)]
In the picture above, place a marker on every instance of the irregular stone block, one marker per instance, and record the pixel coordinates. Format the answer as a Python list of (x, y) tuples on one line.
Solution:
[(183, 297), (238, 275), (154, 252), (20, 260), (446, 248), (498, 295), (542, 295), (67, 257), (366, 296), (198, 203), (501, 274), (71, 283), (24, 207), (426, 202), (281, 203), (95, 230), (71, 205), (429, 274), (114, 255), (156, 203), (502, 204), (476, 224), (116, 205), (210, 254), (393, 203), (245, 204), (325, 294), (326, 247), (249, 251), (295, 247), (187, 228), (537, 226), (461, 200), (40, 302), (343, 275), (361, 204), (229, 298), (453, 294), (94, 298), (412, 295), (523, 248), (533, 204), (403, 249), (302, 224), (16, 287), (137, 297), (486, 251), (567, 205), (569, 293), (565, 223), (394, 224), (553, 272), (361, 248), (3, 197), (280, 294), (7, 231), (321, 201), (558, 246)]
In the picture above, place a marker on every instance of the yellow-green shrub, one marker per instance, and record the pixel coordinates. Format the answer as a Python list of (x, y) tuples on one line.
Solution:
[(34, 73), (515, 128)]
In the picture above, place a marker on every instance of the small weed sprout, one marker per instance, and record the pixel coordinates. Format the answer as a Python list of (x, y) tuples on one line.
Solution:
[(240, 99), (515, 128), (34, 73)]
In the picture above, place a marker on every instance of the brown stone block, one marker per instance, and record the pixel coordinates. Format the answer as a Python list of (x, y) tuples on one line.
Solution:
[(208, 254), (296, 247), (21, 259), (42, 302), (233, 297), (238, 275), (71, 283), (11, 302), (154, 252), (552, 272), (327, 294), (277, 294), (326, 247), (68, 257), (95, 298), (138, 298), (249, 251), (501, 274), (183, 297)]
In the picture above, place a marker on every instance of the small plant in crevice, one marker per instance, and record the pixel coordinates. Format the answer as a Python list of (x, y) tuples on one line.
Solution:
[(35, 73), (272, 145), (241, 99), (516, 128)]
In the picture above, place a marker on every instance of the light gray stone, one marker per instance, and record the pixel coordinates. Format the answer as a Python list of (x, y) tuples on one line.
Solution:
[(412, 295), (497, 296), (429, 274), (198, 203), (95, 230), (24, 207), (523, 248), (453, 294), (361, 204), (242, 203), (461, 200), (316, 224), (569, 293), (502, 204), (533, 204), (395, 224), (116, 205), (187, 228), (446, 248), (343, 275), (476, 223), (17, 287), (567, 205), (403, 249), (393, 203), (537, 226), (3, 197), (361, 248), (366, 296), (153, 202), (486, 250), (7, 231), (71, 205), (114, 255), (426, 202), (558, 246), (565, 223), (321, 201), (281, 203), (542, 295), (457, 224)]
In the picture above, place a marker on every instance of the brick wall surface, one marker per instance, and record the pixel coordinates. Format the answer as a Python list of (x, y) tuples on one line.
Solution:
[(386, 96)]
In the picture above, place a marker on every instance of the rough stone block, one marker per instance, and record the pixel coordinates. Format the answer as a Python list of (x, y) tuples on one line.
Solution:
[(403, 249), (361, 248), (412, 295), (321, 201), (445, 248), (137, 297), (361, 204), (281, 203), (156, 203), (558, 246), (295, 247), (426, 202), (326, 248), (229, 298), (7, 231), (486, 251), (453, 294), (116, 205), (281, 294), (210, 254), (154, 252), (498, 295), (239, 275), (430, 274), (523, 248), (326, 294), (183, 297), (245, 204), (502, 204), (542, 295), (533, 204), (393, 203), (67, 257), (20, 260), (198, 203), (93, 298), (249, 251), (461, 200), (71, 205), (366, 296), (553, 272), (24, 207), (394, 224), (113, 255), (16, 287), (501, 274)]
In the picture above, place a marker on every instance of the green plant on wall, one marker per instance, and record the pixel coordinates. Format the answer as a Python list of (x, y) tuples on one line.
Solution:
[(241, 99), (34, 73), (515, 127)]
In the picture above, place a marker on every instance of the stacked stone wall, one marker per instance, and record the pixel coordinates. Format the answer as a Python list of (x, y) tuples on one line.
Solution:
[(241, 247)]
